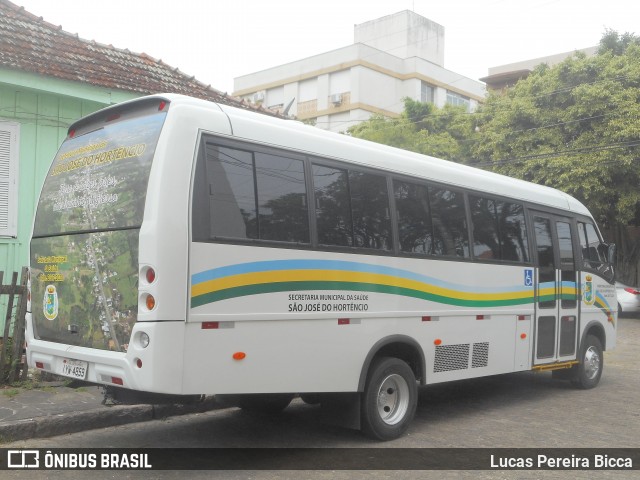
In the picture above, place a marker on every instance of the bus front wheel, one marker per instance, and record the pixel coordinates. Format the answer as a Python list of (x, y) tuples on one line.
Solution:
[(389, 399), (589, 370)]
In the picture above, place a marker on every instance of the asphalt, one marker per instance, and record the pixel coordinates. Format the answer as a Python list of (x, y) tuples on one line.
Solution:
[(52, 408)]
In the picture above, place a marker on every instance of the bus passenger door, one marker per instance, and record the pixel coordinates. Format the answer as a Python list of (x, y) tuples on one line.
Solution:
[(556, 325)]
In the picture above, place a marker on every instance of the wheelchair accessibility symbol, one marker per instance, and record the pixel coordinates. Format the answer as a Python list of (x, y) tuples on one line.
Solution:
[(528, 277)]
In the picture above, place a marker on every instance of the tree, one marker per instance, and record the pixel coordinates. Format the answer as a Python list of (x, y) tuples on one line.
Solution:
[(575, 127), (424, 128)]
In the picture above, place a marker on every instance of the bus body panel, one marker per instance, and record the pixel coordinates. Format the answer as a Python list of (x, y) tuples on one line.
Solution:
[(234, 317), (474, 311)]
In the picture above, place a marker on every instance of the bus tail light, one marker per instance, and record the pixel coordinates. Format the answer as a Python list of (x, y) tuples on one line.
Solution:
[(150, 302), (632, 291), (148, 274)]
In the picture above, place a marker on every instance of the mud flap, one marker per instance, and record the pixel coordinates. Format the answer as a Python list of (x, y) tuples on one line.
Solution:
[(341, 409)]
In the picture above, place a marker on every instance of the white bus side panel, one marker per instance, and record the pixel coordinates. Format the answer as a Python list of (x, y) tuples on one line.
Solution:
[(599, 305), (307, 320)]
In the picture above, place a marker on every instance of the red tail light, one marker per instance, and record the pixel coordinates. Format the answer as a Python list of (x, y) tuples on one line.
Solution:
[(633, 291), (151, 275)]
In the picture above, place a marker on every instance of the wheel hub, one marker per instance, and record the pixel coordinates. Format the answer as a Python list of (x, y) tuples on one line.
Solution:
[(393, 399)]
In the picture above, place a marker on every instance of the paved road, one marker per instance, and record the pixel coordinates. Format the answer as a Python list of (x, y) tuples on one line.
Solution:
[(516, 410)]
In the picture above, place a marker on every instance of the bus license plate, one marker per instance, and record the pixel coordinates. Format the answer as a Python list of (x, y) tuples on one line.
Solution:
[(74, 368)]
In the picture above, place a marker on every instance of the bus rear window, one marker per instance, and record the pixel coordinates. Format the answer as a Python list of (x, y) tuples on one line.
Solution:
[(98, 180)]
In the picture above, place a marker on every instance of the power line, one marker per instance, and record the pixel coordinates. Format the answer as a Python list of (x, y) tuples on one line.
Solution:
[(589, 149)]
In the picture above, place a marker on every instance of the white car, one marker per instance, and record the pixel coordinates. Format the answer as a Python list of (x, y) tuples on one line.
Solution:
[(628, 299)]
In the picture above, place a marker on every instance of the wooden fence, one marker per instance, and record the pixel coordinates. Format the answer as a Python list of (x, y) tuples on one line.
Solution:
[(12, 365)]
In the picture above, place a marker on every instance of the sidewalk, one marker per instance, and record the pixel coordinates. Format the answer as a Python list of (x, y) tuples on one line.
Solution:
[(57, 408)]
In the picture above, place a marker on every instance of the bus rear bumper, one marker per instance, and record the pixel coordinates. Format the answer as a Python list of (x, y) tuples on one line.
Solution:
[(157, 369)]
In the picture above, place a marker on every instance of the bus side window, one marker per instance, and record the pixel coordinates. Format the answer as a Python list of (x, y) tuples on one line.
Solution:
[(449, 219), (248, 195), (499, 230), (415, 230)]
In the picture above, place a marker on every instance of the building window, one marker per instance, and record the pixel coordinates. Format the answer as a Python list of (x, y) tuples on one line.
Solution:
[(275, 97), (457, 99), (9, 141), (427, 93)]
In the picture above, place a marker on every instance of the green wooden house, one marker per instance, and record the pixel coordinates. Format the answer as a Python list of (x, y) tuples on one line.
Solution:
[(48, 79)]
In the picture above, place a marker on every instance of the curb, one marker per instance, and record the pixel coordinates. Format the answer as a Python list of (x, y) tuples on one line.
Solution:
[(61, 424)]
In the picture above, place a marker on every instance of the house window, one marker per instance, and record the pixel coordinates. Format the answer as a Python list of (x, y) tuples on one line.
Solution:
[(427, 93), (9, 141), (454, 98)]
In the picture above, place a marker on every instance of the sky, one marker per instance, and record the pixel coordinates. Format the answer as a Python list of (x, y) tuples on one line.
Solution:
[(218, 40)]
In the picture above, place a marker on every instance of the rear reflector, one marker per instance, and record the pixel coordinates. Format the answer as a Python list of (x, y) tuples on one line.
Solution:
[(117, 381), (39, 365), (210, 325), (344, 321)]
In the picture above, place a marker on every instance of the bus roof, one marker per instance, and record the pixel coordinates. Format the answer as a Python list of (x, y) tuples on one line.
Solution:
[(315, 141)]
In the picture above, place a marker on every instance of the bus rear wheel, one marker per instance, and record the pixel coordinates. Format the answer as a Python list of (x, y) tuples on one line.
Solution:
[(389, 400), (589, 370)]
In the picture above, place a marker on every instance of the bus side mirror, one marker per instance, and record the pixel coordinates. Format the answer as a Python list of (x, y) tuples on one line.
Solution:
[(611, 254), (611, 261)]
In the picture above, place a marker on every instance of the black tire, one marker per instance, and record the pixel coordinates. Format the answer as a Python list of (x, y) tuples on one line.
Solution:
[(389, 400), (589, 370)]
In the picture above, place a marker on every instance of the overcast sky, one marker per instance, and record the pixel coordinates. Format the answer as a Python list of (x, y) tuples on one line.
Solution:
[(217, 40)]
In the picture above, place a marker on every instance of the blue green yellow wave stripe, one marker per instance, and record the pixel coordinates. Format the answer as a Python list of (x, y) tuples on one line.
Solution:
[(272, 276)]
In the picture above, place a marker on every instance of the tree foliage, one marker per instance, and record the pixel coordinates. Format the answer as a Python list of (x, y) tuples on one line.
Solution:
[(424, 128), (574, 126)]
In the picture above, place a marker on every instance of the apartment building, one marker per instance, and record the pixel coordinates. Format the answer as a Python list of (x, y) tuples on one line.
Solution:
[(397, 56)]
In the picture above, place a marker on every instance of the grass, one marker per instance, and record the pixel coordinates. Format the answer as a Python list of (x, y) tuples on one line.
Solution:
[(10, 392)]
